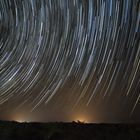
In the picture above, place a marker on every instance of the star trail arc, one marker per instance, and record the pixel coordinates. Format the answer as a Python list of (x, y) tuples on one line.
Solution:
[(91, 45)]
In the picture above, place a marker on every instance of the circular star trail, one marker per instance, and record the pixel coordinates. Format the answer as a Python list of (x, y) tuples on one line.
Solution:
[(89, 49)]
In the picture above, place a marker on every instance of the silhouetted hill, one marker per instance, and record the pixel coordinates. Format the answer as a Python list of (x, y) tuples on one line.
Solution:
[(68, 131)]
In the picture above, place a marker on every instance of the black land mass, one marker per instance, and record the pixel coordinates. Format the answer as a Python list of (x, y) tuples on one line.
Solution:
[(68, 131)]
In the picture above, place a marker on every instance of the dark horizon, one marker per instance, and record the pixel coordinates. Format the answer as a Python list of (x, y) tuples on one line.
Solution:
[(68, 131)]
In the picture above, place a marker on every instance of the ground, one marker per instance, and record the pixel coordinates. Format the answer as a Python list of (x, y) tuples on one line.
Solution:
[(68, 131)]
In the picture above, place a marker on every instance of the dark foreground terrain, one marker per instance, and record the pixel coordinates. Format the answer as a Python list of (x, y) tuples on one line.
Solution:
[(68, 131)]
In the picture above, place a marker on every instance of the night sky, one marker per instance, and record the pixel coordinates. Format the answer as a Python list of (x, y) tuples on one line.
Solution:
[(68, 60)]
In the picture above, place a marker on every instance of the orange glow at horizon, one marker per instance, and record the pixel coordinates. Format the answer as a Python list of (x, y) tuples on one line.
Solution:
[(21, 118), (81, 118)]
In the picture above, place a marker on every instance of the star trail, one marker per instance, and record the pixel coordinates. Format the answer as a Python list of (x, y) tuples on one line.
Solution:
[(69, 53)]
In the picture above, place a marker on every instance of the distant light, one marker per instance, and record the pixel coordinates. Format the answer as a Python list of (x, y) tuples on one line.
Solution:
[(81, 119), (21, 121), (21, 117)]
